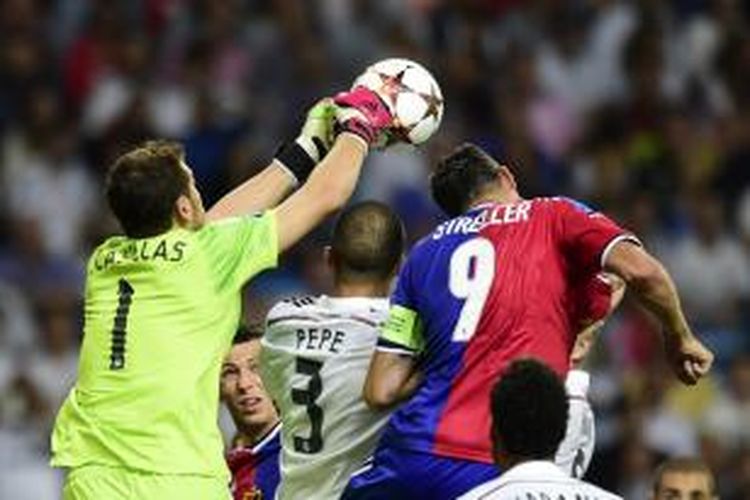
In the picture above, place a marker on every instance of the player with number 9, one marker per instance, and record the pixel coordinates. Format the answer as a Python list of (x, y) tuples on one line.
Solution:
[(496, 282)]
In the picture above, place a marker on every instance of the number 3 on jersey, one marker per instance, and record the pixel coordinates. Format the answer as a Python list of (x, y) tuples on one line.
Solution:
[(471, 273), (306, 397)]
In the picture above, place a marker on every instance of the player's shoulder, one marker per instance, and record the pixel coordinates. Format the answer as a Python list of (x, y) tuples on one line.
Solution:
[(98, 256), (110, 244), (601, 494), (422, 246), (321, 309), (563, 203), (292, 307), (595, 491), (482, 491), (232, 227)]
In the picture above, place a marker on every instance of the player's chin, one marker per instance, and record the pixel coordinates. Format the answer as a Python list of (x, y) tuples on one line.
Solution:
[(255, 418), (256, 409)]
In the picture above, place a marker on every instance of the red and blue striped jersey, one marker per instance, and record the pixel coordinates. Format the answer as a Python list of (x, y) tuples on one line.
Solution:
[(255, 470), (497, 283)]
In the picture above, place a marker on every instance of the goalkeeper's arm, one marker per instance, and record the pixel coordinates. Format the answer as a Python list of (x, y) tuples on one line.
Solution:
[(262, 191), (328, 189), (361, 117), (292, 165)]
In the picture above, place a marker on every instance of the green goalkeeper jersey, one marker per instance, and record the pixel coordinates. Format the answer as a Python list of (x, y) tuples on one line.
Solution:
[(160, 314)]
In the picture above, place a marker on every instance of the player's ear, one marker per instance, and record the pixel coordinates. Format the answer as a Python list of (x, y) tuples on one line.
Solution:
[(506, 177), (183, 210), (328, 256), (397, 267), (498, 451)]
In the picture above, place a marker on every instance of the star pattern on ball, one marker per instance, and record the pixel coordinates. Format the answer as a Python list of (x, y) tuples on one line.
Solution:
[(391, 85), (434, 103)]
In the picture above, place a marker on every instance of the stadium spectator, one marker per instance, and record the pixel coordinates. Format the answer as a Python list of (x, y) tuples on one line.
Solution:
[(529, 413), (710, 267), (727, 418), (52, 367), (683, 479), (254, 455), (664, 429)]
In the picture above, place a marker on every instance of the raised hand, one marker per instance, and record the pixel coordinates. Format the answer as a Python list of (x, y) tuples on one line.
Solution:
[(362, 112)]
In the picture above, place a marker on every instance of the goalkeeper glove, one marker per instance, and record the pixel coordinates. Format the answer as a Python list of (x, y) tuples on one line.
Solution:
[(300, 156), (362, 112)]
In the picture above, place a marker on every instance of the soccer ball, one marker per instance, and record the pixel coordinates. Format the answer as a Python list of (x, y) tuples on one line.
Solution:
[(411, 94)]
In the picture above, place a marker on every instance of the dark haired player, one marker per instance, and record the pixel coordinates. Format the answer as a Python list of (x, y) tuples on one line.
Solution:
[(316, 351), (496, 282), (163, 302), (529, 408), (254, 457)]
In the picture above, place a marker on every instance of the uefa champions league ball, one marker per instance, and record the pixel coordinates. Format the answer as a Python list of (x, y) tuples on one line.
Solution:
[(412, 95)]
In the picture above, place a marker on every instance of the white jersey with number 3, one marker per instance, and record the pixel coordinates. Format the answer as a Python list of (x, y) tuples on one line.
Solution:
[(316, 353)]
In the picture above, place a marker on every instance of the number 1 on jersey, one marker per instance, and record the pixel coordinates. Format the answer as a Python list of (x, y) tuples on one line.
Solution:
[(119, 329), (471, 273)]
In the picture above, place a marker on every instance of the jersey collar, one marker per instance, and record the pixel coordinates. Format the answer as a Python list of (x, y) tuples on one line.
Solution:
[(486, 204), (270, 435), (355, 301), (534, 469)]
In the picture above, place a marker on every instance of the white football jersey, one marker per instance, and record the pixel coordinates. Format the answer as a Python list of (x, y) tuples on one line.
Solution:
[(537, 480), (316, 353)]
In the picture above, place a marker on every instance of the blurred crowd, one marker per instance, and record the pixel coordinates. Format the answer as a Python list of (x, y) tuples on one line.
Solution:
[(639, 108)]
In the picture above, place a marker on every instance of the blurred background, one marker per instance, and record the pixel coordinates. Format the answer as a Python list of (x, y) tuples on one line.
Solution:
[(641, 109)]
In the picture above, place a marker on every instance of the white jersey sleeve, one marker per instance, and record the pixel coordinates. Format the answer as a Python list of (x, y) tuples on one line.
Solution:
[(316, 353), (577, 448)]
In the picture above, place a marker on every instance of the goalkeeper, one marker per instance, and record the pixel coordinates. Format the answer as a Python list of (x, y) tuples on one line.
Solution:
[(163, 302)]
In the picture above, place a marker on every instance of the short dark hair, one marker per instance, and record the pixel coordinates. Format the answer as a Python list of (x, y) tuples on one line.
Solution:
[(368, 242), (143, 186), (529, 410), (247, 333), (459, 178), (684, 465)]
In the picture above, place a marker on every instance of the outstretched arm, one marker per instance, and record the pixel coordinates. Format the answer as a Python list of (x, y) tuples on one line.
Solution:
[(328, 189), (260, 192), (653, 286), (361, 116), (292, 165)]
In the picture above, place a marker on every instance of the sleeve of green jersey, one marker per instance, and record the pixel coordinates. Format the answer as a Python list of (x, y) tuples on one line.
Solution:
[(241, 247)]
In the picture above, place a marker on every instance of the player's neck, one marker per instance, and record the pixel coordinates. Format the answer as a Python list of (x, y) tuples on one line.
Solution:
[(506, 460), (496, 196), (252, 435), (361, 289)]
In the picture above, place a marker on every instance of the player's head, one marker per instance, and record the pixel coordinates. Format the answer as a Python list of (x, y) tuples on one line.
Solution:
[(683, 479), (529, 413), (242, 388), (467, 176), (367, 244), (150, 189)]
